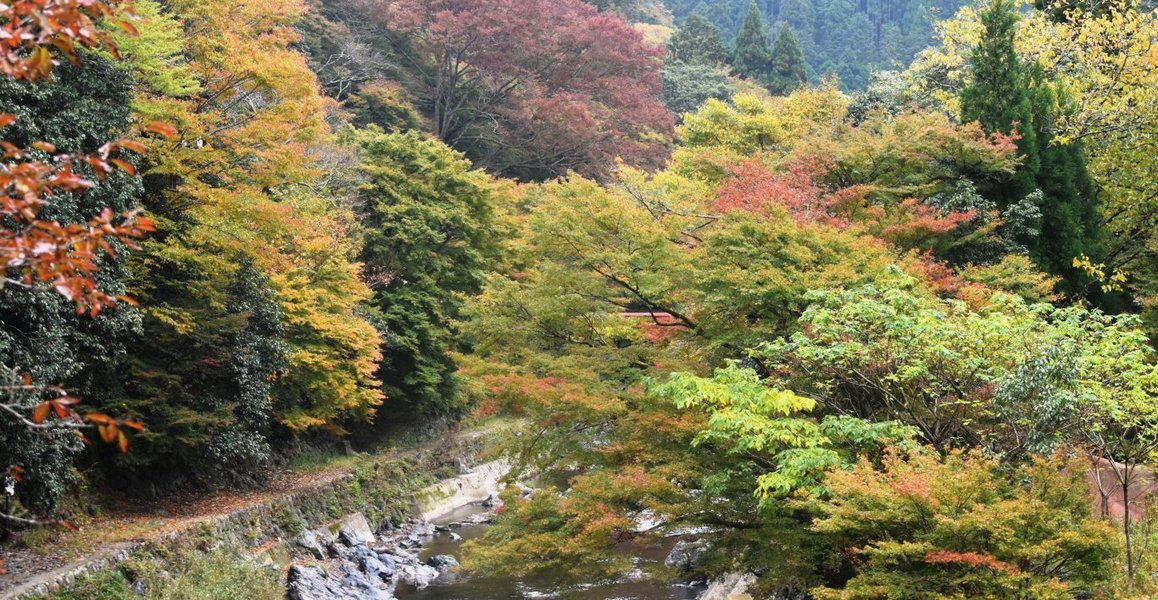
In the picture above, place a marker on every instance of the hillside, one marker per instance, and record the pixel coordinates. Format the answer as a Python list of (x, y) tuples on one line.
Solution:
[(846, 38)]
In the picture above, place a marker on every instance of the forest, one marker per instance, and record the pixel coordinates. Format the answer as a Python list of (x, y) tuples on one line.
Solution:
[(863, 293)]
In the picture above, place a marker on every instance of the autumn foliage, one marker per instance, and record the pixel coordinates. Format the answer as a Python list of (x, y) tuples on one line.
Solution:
[(40, 253), (958, 526), (535, 88)]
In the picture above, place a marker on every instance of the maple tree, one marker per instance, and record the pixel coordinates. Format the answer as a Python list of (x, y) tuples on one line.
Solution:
[(816, 336), (253, 323), (553, 86), (960, 526), (617, 285)]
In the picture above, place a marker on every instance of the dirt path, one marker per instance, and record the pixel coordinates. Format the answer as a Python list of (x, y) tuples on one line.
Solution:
[(134, 521), (131, 522)]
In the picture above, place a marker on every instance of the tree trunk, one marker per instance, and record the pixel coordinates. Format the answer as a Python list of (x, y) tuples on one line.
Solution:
[(1126, 530)]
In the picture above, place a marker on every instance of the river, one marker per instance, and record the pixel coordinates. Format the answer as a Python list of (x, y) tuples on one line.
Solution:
[(544, 585)]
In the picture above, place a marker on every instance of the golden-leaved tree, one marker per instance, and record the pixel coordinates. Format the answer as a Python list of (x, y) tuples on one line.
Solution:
[(251, 288)]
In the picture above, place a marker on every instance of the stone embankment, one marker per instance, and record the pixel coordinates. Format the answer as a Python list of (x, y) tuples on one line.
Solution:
[(354, 562), (368, 522)]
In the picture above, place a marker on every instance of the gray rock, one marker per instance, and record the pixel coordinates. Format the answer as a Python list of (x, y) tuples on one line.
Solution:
[(340, 550), (325, 536), (310, 582), (356, 583), (357, 523), (443, 562), (732, 586), (454, 537), (308, 541), (376, 568), (417, 574), (351, 537), (686, 555)]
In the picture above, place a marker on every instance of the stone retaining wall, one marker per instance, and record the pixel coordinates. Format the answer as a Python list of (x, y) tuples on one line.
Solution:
[(386, 491)]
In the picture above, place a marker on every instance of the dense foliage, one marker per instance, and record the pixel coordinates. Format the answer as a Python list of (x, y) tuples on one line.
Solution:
[(838, 37), (430, 234), (890, 328), (855, 347), (553, 86)]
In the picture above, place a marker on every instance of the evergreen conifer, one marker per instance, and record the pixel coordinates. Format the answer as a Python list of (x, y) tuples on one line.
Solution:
[(698, 42), (752, 58), (788, 70)]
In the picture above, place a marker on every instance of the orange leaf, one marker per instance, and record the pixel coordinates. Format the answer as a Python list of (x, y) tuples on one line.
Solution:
[(161, 128), (128, 27), (41, 60), (98, 419), (137, 147), (40, 413), (7, 119), (67, 525), (122, 442), (124, 166)]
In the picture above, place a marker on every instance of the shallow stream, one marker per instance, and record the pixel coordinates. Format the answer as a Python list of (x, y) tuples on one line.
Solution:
[(479, 587)]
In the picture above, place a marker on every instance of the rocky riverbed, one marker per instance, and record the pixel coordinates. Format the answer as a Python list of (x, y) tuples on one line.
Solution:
[(355, 563), (418, 562)]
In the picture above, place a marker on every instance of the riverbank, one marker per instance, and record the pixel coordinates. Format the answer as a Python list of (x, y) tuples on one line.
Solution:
[(258, 525)]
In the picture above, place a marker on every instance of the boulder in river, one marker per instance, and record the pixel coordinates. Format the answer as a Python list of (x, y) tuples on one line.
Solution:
[(442, 562), (733, 586), (686, 555), (417, 574)]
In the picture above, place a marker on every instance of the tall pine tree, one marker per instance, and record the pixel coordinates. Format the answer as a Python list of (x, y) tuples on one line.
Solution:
[(1008, 96), (698, 42), (752, 57), (999, 97), (788, 70)]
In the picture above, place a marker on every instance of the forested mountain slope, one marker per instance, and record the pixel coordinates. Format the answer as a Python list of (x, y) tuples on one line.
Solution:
[(846, 38)]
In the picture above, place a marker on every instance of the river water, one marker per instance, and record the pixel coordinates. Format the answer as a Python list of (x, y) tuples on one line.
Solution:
[(481, 587)]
